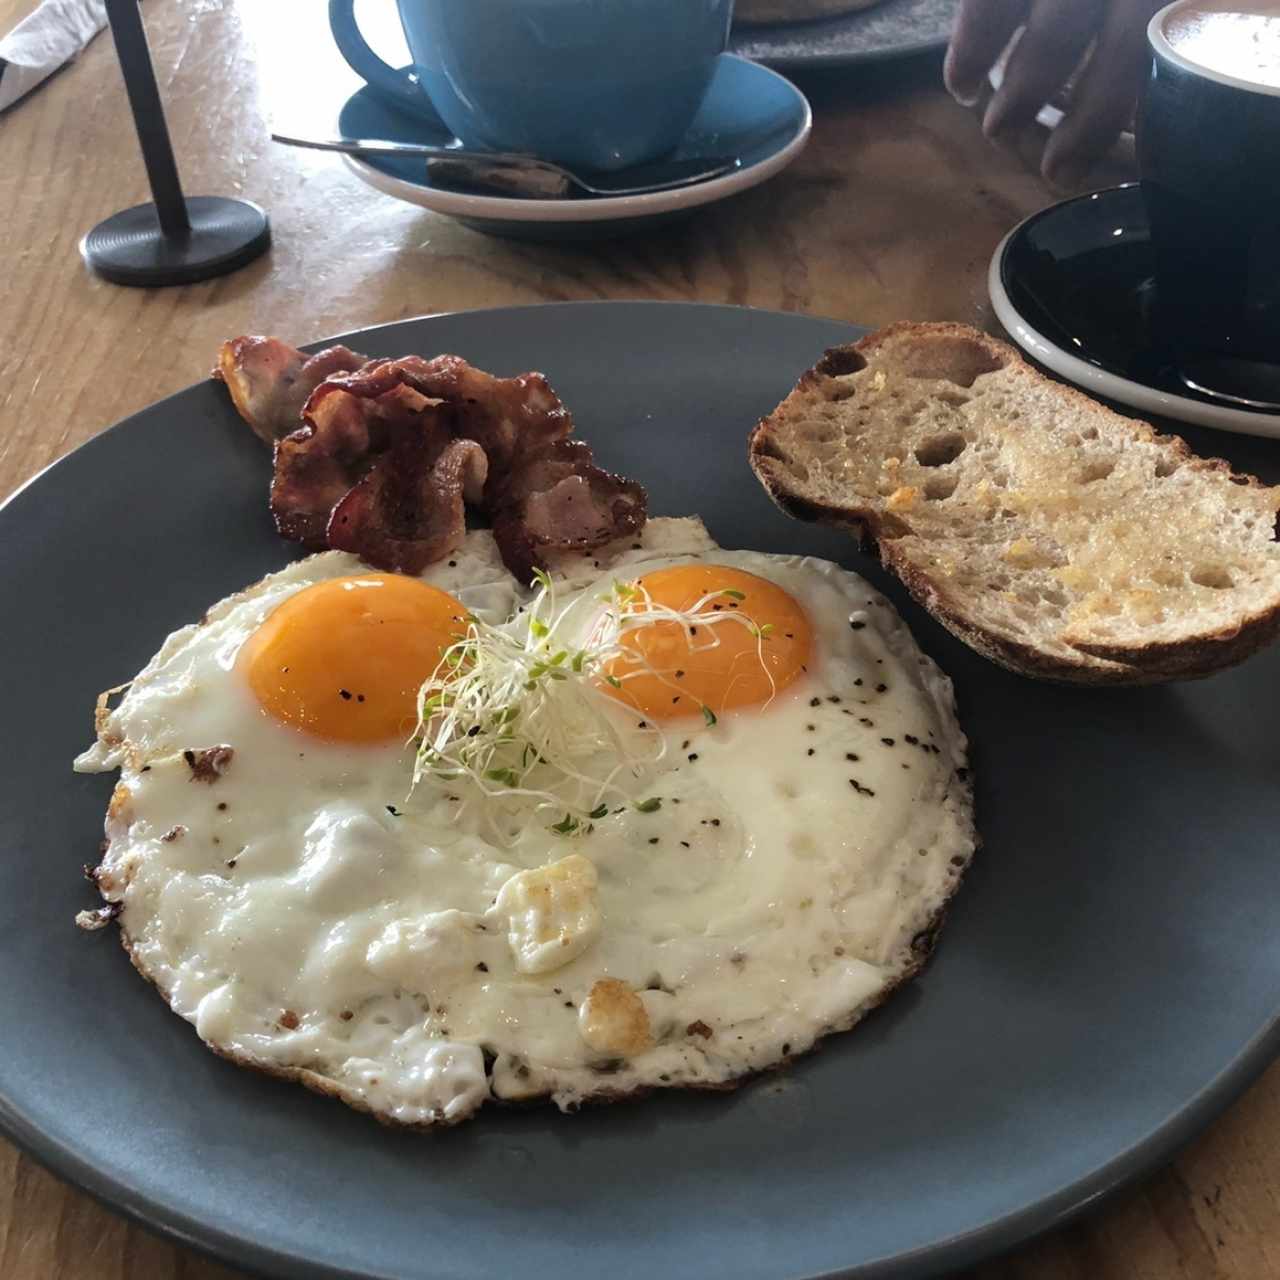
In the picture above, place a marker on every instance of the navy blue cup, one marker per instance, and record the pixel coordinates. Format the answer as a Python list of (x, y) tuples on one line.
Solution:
[(1209, 155), (592, 84)]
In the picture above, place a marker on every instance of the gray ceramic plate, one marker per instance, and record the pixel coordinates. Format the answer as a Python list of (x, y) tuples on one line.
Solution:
[(890, 29), (1108, 980)]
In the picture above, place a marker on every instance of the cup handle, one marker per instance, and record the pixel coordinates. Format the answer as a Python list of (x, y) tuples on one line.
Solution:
[(401, 87)]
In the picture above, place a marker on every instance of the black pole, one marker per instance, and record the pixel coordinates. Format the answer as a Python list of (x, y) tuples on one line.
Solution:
[(177, 239), (127, 31)]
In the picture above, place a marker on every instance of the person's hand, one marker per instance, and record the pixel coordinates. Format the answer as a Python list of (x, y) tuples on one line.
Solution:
[(1057, 35)]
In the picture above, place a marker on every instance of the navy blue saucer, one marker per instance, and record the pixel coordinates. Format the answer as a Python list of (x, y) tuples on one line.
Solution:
[(749, 112), (1074, 287), (1081, 273)]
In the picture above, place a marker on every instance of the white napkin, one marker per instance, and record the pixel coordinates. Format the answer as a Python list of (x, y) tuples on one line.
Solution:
[(45, 41)]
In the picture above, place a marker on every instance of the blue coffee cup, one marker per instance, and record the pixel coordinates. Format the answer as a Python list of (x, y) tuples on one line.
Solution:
[(592, 84)]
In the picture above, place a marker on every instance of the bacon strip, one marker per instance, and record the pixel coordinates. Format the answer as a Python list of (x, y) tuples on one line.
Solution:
[(389, 451), (270, 381), (507, 417), (558, 500), (407, 512), (318, 463)]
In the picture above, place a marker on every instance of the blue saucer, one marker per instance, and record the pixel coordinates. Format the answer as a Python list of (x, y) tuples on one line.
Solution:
[(749, 112)]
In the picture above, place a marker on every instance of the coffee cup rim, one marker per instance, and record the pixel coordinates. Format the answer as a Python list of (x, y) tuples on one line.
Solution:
[(1159, 43)]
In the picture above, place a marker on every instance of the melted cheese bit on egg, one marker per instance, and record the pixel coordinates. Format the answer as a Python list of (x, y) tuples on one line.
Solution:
[(552, 913)]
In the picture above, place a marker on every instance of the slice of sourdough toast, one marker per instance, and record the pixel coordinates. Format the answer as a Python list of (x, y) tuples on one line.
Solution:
[(1047, 532)]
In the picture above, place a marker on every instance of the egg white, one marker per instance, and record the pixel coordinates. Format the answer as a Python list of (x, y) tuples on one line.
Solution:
[(311, 918)]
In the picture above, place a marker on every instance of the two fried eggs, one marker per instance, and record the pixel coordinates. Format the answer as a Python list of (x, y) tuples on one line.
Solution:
[(797, 833)]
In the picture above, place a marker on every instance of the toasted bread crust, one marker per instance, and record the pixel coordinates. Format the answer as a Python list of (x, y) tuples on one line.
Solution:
[(1192, 656)]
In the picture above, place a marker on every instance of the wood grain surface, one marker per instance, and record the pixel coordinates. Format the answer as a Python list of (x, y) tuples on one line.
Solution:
[(892, 212)]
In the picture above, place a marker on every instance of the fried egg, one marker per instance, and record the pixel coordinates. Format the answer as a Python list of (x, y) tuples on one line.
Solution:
[(798, 816)]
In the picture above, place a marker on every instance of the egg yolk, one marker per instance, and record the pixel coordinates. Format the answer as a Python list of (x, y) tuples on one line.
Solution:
[(737, 661), (344, 660)]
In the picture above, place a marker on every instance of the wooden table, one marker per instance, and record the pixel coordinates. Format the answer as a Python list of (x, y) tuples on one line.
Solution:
[(892, 212)]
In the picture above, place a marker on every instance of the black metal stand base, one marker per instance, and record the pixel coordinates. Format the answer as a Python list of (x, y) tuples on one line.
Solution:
[(175, 240), (131, 248)]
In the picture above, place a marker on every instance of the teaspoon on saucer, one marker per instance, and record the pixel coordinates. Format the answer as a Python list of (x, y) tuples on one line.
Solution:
[(516, 174)]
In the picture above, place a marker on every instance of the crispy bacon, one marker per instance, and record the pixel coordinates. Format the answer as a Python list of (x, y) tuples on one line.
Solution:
[(407, 511), (507, 417), (389, 451), (317, 464), (270, 381), (558, 500)]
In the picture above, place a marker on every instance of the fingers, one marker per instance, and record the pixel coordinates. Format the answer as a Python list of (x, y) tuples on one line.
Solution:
[(1104, 98), (982, 30), (1048, 51), (1054, 38)]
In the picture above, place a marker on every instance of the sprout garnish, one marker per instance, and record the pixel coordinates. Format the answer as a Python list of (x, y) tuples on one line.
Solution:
[(519, 713)]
